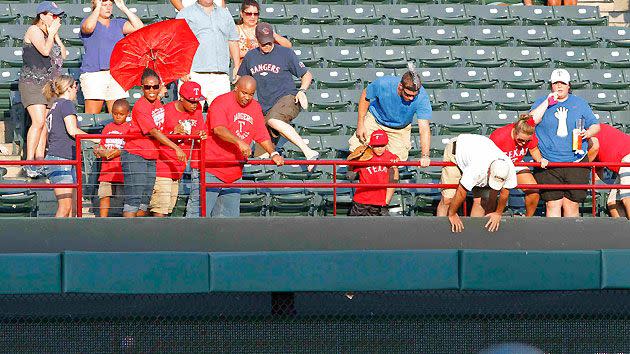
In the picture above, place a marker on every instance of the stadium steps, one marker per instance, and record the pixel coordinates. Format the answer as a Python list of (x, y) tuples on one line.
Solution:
[(617, 11)]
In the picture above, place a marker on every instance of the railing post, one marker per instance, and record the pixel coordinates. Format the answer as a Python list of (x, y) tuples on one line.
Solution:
[(334, 170), (593, 191), (202, 178), (79, 172)]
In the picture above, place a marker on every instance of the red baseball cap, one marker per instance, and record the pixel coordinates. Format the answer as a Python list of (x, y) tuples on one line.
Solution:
[(379, 138), (191, 91)]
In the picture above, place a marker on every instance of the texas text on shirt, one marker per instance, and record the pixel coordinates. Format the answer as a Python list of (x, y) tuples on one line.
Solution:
[(503, 139), (374, 174)]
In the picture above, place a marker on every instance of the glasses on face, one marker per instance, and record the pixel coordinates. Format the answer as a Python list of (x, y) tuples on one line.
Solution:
[(250, 14), (523, 141), (53, 15), (151, 87)]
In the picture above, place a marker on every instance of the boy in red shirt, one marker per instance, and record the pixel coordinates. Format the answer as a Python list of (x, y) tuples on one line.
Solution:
[(180, 117), (370, 201), (516, 140), (111, 176)]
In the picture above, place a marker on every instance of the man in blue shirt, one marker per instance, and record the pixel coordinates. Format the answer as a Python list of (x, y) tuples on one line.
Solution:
[(218, 41), (390, 104), (556, 115)]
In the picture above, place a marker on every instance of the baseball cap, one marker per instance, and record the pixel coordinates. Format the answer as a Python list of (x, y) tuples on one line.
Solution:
[(379, 138), (560, 75), (264, 33), (49, 6), (499, 172), (191, 91)]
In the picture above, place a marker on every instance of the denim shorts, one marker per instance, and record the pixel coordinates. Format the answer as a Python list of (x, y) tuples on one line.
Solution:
[(139, 176), (60, 174)]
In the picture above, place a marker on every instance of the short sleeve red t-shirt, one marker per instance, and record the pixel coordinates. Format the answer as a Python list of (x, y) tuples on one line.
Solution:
[(247, 123), (144, 117), (374, 174), (167, 165), (111, 170), (502, 138), (614, 145)]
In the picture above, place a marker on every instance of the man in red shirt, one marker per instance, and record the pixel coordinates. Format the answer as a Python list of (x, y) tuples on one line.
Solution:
[(234, 120), (370, 201), (612, 145), (516, 140), (180, 117)]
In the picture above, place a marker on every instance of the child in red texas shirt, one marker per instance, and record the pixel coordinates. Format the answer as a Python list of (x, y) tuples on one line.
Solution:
[(111, 176), (370, 201)]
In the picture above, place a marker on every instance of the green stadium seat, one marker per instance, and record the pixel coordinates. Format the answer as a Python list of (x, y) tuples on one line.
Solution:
[(573, 36), (434, 78), (17, 202), (274, 13), (424, 204), (140, 9), (317, 123), (385, 57), (472, 78), (306, 56), (430, 173), (292, 204), (624, 98), (75, 13), (13, 35), (8, 80), (438, 143), (605, 117), (491, 15), (610, 57), (73, 57), (326, 100), (168, 12), (515, 78), (393, 35), (11, 57), (135, 93), (253, 203), (367, 75), (524, 57), (431, 56), (102, 119), (621, 119), (507, 99), (347, 119), (257, 172), (485, 57), (343, 201), (533, 95), (233, 7), (408, 14), (347, 34), (345, 56), (605, 79), (491, 120), (580, 15), (461, 99), (332, 78), (303, 34), (483, 35), (86, 121), (435, 104), (535, 15), (447, 14), (26, 12), (438, 35), (336, 146), (534, 36), (314, 14), (351, 96), (293, 152), (454, 122), (568, 57), (603, 100), (356, 14), (613, 36), (71, 35), (7, 16)]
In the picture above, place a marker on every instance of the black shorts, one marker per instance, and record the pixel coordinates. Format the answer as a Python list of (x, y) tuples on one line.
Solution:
[(562, 175), (358, 209)]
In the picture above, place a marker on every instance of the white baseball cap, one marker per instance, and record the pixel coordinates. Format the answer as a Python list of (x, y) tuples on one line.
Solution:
[(499, 172), (560, 75)]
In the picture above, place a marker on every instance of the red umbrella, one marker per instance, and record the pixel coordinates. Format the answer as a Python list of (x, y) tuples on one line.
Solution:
[(168, 47)]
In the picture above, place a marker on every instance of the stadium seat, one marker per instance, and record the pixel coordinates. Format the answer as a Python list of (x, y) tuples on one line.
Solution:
[(603, 100), (258, 172), (343, 200), (332, 78), (351, 96), (524, 57), (17, 202), (485, 57), (297, 172), (424, 204), (461, 99), (7, 16), (435, 104), (385, 57), (605, 117), (613, 36), (534, 36), (568, 57), (534, 95), (313, 14), (433, 78), (580, 15), (610, 57), (102, 119), (347, 119), (367, 75), (13, 35), (253, 203), (438, 35), (303, 34), (317, 123), (453, 123), (326, 100), (168, 12), (335, 146), (491, 120), (71, 35), (472, 78), (11, 57), (621, 119), (293, 152), (347, 34), (438, 143), (431, 56), (274, 13), (134, 94), (393, 35), (73, 57), (306, 56), (515, 78), (292, 204), (408, 14), (26, 12), (356, 14), (454, 14), (535, 15), (233, 7), (345, 56), (483, 35), (8, 80), (606, 79), (491, 15), (507, 99), (573, 36)]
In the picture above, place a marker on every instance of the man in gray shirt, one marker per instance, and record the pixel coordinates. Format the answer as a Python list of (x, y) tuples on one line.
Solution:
[(218, 41)]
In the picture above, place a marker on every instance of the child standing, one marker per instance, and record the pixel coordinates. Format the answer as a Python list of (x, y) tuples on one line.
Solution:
[(371, 201), (111, 177)]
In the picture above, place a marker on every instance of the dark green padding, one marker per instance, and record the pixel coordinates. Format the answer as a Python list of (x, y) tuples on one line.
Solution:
[(135, 273), (334, 270), (529, 270), (615, 269), (30, 273)]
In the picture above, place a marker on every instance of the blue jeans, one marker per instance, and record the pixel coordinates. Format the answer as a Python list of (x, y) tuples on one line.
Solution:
[(139, 176), (220, 202), (59, 174)]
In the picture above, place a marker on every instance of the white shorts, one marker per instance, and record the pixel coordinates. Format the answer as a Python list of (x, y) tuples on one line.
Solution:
[(100, 85), (212, 85), (622, 178)]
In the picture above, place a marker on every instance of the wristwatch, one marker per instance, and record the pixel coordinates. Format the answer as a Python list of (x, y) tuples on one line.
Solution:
[(274, 154)]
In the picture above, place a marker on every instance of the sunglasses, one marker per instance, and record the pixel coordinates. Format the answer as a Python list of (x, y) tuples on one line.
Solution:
[(251, 14), (53, 15), (150, 87), (266, 44), (523, 141)]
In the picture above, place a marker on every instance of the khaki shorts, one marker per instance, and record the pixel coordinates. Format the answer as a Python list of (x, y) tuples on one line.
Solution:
[(622, 178), (108, 189), (450, 174), (164, 195), (100, 85), (399, 139), (284, 110)]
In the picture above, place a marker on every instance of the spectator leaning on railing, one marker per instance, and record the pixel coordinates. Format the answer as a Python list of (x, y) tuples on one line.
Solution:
[(558, 117), (43, 53), (99, 33)]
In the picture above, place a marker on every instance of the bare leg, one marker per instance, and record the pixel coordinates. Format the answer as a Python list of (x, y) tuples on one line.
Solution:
[(531, 195), (129, 214), (626, 206), (442, 208), (64, 202), (142, 213), (109, 104), (34, 136), (93, 106), (289, 132), (614, 212), (554, 208), (570, 208), (477, 209), (104, 207)]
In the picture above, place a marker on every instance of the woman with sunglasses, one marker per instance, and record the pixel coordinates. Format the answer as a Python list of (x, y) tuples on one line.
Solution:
[(99, 33), (42, 56), (246, 27), (139, 156)]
